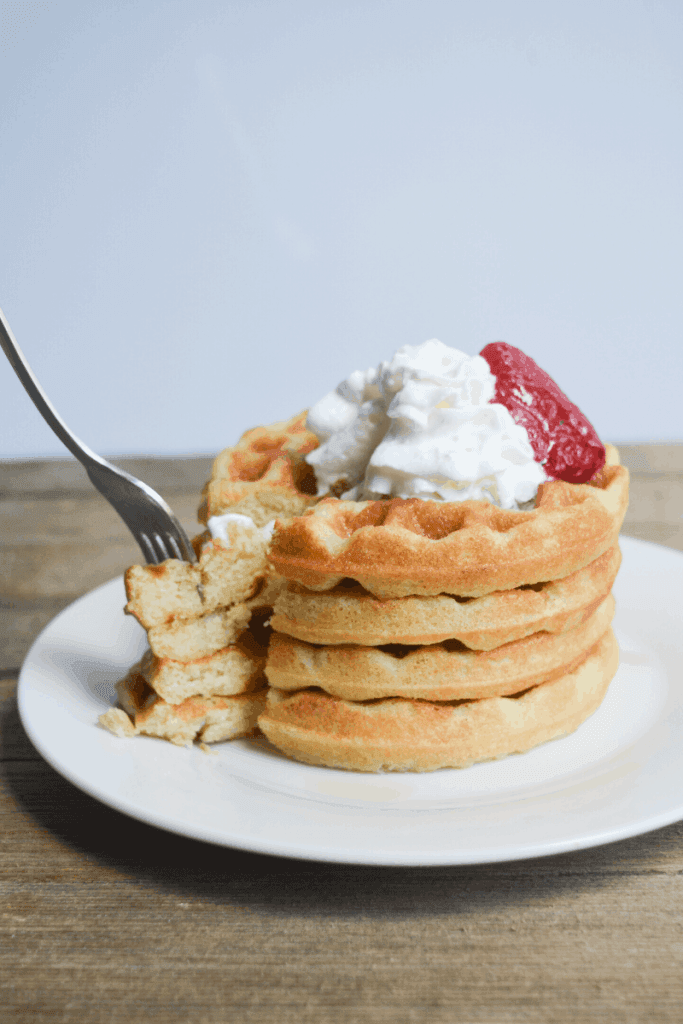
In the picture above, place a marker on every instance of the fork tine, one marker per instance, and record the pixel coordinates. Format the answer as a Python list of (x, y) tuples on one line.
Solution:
[(186, 547), (161, 547), (147, 547), (189, 549), (175, 547)]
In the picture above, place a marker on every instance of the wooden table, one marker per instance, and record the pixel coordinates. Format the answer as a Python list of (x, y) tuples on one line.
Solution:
[(105, 919)]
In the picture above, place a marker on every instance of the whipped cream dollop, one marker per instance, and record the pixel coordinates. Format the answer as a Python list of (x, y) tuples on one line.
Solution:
[(218, 527), (424, 425)]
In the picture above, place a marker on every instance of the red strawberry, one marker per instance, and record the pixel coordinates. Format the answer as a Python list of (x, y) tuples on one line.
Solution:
[(563, 440)]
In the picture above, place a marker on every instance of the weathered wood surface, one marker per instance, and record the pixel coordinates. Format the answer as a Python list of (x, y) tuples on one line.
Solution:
[(105, 919)]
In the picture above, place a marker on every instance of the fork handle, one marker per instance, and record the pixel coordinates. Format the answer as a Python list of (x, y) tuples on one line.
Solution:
[(39, 398)]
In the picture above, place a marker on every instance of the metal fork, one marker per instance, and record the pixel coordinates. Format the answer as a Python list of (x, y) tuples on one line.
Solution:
[(144, 512)]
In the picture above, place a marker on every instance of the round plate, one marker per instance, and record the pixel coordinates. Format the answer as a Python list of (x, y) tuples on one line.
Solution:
[(619, 774)]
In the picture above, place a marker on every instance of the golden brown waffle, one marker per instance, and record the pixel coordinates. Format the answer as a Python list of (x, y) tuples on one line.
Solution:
[(224, 673), (191, 612), (401, 547), (416, 735), (225, 575), (264, 475), (446, 671), (209, 719), (203, 677), (198, 638), (347, 614)]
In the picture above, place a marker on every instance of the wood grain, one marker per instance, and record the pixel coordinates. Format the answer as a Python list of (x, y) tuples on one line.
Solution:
[(105, 919)]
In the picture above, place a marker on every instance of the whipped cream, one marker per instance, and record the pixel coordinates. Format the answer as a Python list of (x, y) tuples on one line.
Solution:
[(218, 527), (422, 425)]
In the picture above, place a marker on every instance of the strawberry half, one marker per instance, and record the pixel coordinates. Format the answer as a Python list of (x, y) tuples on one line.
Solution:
[(563, 440)]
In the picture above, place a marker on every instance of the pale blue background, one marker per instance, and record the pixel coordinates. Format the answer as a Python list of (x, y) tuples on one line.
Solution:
[(210, 212)]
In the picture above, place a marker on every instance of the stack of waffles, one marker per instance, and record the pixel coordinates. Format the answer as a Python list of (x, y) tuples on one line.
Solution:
[(413, 635), (203, 675), (407, 634)]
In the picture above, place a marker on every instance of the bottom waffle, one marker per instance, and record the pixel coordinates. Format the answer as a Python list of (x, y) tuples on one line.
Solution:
[(398, 734), (210, 719), (447, 671)]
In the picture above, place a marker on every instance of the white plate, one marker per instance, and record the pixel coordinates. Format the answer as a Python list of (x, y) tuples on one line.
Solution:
[(619, 775)]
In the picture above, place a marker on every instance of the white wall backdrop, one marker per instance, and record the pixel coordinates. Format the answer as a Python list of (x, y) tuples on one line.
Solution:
[(211, 211)]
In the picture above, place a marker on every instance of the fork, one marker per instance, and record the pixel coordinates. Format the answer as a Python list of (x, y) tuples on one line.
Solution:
[(144, 512)]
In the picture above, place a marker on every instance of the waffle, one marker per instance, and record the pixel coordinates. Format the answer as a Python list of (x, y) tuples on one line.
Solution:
[(203, 675), (224, 673), (210, 719), (175, 591), (399, 734), (401, 547), (348, 614), (192, 612), (446, 671), (201, 637), (264, 475)]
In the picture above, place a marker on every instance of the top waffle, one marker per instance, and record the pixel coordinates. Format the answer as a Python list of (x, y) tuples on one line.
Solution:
[(264, 475), (398, 547)]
